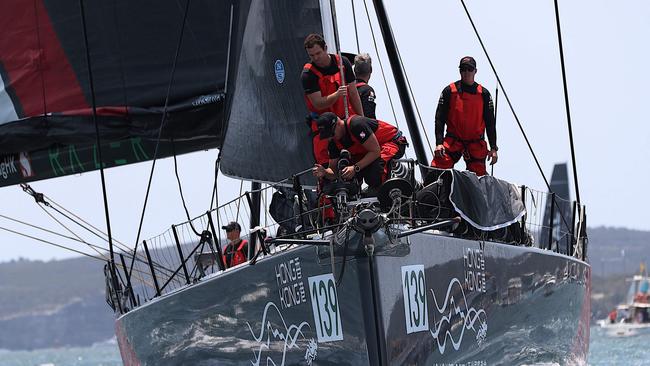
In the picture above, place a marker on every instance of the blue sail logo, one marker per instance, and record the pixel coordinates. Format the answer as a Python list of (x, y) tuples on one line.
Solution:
[(279, 71)]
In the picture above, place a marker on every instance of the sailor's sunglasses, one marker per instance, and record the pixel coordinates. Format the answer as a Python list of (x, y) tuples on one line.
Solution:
[(466, 68)]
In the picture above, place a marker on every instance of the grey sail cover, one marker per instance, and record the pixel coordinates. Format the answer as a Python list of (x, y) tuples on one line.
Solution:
[(267, 138), (487, 203)]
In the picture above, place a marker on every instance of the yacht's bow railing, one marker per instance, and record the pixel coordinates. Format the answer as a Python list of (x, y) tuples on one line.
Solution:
[(191, 251)]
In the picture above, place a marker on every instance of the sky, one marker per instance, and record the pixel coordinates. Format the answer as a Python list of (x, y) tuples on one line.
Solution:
[(605, 49)]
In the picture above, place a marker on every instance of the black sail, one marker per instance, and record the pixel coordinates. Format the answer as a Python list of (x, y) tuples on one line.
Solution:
[(267, 138), (46, 124)]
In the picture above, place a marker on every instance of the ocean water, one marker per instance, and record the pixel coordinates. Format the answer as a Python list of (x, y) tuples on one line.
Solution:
[(603, 351)]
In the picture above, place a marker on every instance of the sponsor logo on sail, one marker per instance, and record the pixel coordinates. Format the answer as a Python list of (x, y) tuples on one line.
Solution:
[(279, 71), (207, 99), (25, 165), (7, 166)]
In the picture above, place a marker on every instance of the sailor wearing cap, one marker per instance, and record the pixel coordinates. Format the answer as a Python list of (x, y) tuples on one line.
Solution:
[(236, 252), (372, 144), (466, 108)]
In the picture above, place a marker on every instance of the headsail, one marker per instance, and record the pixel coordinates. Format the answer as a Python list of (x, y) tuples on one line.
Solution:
[(46, 126), (267, 138)]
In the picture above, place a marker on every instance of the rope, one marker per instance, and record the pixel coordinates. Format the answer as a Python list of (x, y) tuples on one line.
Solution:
[(566, 103), (381, 66), (163, 118), (180, 190), (99, 150), (505, 94), (51, 243), (79, 239), (356, 33)]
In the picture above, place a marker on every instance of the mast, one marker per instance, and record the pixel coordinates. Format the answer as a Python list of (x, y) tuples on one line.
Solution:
[(400, 80)]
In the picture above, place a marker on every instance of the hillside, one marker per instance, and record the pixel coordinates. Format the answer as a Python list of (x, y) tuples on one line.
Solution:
[(61, 303)]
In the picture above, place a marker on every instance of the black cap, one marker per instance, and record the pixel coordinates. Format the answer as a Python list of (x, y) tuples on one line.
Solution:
[(326, 123), (232, 226), (467, 60)]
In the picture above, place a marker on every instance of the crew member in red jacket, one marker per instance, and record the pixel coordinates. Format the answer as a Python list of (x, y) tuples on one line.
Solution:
[(324, 89), (466, 108), (372, 145), (236, 252)]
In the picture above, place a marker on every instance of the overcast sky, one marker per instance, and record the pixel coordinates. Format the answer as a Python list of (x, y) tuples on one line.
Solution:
[(606, 51)]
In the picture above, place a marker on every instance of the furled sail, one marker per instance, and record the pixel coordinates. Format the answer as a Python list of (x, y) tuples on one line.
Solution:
[(46, 124), (267, 138)]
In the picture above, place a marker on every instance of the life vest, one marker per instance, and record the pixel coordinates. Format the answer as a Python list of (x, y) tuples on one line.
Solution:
[(328, 84), (465, 119), (385, 133), (238, 256)]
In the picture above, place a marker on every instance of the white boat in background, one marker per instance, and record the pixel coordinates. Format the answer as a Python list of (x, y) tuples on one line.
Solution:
[(632, 317)]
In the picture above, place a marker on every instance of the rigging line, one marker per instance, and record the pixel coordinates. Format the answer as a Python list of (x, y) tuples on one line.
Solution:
[(415, 103), (75, 222), (566, 103), (163, 118), (338, 52), (99, 149), (496, 105), (214, 186), (50, 231), (51, 243), (180, 190), (241, 186), (51, 201), (70, 231), (505, 94), (60, 223), (381, 65), (356, 31)]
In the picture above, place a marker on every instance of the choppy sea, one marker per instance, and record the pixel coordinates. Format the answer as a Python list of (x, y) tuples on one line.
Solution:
[(603, 351)]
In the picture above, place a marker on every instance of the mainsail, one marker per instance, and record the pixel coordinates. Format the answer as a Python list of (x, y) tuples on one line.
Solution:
[(267, 138), (46, 124)]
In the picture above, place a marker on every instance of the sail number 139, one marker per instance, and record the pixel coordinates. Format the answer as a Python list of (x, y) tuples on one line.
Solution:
[(325, 306), (415, 298)]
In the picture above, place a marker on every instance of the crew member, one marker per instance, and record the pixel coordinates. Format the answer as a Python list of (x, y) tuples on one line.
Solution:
[(236, 252), (324, 89), (371, 143), (466, 108), (363, 70)]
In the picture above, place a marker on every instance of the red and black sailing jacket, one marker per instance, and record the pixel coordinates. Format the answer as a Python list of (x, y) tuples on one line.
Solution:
[(328, 84), (465, 120), (383, 131), (238, 256)]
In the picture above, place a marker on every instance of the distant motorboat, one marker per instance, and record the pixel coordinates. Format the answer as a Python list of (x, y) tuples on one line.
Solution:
[(632, 317)]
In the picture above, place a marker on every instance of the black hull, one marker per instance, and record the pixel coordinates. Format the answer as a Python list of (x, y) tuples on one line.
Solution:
[(486, 302)]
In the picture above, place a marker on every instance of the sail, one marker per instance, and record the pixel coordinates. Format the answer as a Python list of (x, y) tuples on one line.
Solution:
[(267, 138), (46, 123), (562, 211)]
